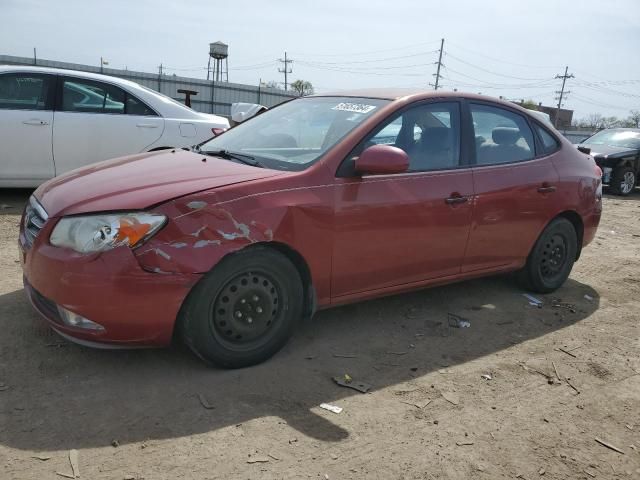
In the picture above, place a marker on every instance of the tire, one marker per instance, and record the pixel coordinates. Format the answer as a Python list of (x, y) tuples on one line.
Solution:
[(552, 257), (244, 310), (623, 180)]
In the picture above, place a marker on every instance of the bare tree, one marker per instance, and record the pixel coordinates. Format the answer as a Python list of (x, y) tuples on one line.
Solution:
[(593, 120), (302, 87), (634, 119)]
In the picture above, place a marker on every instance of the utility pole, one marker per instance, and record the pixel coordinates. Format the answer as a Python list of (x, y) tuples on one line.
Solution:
[(159, 76), (562, 93), (35, 58), (286, 70), (439, 63)]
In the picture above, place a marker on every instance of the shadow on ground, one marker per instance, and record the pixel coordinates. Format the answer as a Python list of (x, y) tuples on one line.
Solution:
[(13, 200), (58, 395)]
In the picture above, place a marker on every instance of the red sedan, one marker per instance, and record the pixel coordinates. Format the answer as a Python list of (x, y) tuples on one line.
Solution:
[(321, 201)]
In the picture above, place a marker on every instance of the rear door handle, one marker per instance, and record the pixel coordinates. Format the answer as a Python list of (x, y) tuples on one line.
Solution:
[(546, 188), (147, 125), (453, 199), (36, 122)]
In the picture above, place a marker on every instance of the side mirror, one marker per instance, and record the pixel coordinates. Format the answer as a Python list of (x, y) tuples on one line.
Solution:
[(382, 159), (582, 149)]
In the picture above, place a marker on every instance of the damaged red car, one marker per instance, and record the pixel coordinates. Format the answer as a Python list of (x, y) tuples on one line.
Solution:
[(321, 201)]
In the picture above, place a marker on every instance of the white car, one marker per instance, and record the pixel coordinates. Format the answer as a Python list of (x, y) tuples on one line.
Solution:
[(54, 120)]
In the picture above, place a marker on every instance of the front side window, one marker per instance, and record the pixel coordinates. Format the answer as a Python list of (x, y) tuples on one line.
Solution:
[(501, 136), (429, 134), (296, 134), (24, 92), (87, 96)]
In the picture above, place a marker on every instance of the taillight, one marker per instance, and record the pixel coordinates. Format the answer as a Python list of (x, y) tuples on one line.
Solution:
[(218, 131)]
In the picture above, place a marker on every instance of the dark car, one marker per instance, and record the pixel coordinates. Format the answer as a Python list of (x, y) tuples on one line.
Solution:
[(617, 153), (318, 202)]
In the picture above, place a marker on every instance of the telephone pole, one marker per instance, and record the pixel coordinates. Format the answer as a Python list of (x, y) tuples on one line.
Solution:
[(286, 70), (562, 93), (439, 63), (159, 76)]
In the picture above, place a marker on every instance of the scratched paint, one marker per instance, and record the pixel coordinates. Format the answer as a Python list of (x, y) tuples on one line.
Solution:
[(196, 205), (198, 232), (162, 253), (178, 245), (204, 243)]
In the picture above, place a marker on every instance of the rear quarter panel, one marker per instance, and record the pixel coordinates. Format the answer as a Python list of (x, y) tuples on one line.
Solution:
[(579, 187)]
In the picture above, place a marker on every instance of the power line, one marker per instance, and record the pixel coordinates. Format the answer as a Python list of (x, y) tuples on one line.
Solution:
[(489, 71), (393, 49), (501, 60), (286, 70), (374, 60)]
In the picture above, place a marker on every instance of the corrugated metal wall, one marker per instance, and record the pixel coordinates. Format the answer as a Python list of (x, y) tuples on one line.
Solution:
[(224, 94)]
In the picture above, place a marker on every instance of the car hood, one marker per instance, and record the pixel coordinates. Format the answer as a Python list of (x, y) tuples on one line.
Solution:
[(140, 181), (609, 150)]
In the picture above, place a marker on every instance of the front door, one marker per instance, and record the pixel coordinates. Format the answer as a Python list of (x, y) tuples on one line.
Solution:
[(26, 122), (399, 229)]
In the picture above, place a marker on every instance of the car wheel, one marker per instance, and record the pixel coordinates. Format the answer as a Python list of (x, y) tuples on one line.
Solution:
[(244, 310), (552, 257), (623, 180)]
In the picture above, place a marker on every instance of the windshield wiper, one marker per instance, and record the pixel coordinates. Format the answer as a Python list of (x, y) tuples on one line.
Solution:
[(229, 155)]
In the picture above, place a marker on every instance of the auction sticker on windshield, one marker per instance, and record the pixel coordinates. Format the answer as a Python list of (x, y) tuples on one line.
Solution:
[(354, 107)]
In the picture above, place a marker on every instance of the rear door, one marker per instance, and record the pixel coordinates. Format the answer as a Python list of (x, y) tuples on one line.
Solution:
[(26, 120), (96, 121), (515, 189), (405, 228)]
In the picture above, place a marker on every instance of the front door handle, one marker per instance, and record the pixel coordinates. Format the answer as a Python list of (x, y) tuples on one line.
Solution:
[(546, 188), (453, 199), (36, 122)]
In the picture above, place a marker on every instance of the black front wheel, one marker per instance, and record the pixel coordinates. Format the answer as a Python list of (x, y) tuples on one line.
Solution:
[(623, 180), (552, 257), (244, 310)]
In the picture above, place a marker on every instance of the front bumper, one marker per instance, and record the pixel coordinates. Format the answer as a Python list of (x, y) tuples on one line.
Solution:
[(134, 306)]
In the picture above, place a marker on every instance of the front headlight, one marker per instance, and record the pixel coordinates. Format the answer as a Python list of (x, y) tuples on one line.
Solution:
[(98, 233)]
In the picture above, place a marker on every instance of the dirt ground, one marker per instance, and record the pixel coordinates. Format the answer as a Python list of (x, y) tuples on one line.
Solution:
[(555, 380)]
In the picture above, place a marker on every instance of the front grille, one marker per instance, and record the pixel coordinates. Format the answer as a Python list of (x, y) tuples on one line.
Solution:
[(34, 219)]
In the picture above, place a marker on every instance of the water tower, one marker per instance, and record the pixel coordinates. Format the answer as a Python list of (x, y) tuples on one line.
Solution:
[(219, 51)]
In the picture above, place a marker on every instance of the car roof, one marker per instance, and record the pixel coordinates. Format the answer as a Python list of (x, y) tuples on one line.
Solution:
[(64, 71), (413, 94), (163, 104)]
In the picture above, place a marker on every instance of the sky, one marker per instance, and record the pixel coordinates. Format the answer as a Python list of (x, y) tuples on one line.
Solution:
[(505, 48)]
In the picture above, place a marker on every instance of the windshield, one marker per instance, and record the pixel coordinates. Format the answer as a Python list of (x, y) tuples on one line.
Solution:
[(616, 138), (295, 134)]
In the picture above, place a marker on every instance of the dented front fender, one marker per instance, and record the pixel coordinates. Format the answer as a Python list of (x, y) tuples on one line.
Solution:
[(202, 229)]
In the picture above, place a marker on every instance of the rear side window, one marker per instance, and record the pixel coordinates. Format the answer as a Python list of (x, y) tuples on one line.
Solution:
[(501, 136), (549, 143), (25, 92), (91, 97), (137, 107)]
